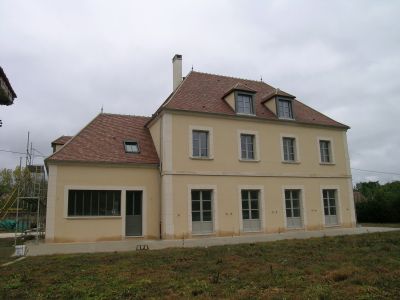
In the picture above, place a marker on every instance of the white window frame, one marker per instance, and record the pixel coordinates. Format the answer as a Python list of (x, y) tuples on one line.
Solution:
[(210, 142), (296, 150), (261, 203), (332, 153), (302, 205), (122, 217), (279, 99), (338, 206), (256, 145), (214, 205)]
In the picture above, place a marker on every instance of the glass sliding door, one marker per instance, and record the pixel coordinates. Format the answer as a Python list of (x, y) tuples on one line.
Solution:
[(202, 215)]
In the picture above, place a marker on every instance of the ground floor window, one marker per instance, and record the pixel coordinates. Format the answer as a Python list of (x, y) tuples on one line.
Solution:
[(251, 210), (293, 208), (202, 217), (329, 198), (94, 203)]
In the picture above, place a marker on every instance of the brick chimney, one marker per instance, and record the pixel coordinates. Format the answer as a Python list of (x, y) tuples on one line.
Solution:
[(177, 70)]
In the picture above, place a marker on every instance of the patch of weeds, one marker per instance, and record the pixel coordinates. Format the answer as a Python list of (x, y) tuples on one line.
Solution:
[(318, 291), (199, 287)]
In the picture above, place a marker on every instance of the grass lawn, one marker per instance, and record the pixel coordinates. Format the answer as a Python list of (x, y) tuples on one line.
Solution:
[(392, 225), (349, 267), (6, 250)]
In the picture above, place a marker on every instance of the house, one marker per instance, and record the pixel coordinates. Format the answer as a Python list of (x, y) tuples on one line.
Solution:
[(222, 156), (7, 94)]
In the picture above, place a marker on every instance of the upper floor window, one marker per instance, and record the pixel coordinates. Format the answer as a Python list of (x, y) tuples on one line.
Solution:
[(200, 143), (244, 104), (131, 147), (247, 146), (325, 151), (285, 109), (289, 149)]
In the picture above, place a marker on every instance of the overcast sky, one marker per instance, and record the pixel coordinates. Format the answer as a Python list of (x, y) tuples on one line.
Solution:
[(67, 59)]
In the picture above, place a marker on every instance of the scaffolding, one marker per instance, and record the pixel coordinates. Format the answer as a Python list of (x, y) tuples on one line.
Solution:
[(27, 202)]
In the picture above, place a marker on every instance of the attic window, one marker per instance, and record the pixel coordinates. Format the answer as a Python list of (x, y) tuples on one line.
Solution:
[(285, 110), (131, 147), (244, 103)]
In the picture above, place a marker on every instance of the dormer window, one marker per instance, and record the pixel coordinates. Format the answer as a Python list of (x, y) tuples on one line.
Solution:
[(285, 110), (131, 147), (244, 104)]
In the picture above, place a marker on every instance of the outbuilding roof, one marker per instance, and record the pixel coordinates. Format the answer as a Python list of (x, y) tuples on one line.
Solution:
[(102, 141)]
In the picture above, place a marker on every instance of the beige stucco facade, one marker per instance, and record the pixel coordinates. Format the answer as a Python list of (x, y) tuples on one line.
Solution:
[(167, 189), (62, 177), (226, 174)]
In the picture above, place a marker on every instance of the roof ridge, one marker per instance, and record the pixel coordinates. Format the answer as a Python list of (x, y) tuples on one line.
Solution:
[(232, 77), (125, 115)]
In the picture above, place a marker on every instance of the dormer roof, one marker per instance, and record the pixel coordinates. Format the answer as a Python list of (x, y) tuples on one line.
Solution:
[(276, 93), (239, 87)]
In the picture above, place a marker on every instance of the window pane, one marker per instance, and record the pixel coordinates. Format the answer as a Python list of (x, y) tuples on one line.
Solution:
[(287, 194), (244, 104), (87, 203), (288, 203), (254, 214), (326, 211), (254, 204), (296, 212), (296, 203), (288, 213), (137, 204), (196, 195), (195, 205), (245, 194), (195, 216), (245, 204), (71, 203), (254, 195), (102, 203), (206, 205), (131, 147), (95, 203), (332, 211), (325, 202), (207, 216), (245, 214), (79, 203), (206, 195)]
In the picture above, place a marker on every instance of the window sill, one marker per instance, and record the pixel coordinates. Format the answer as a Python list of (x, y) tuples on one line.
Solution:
[(92, 217), (203, 234), (332, 226), (201, 158), (327, 163), (247, 115), (286, 119), (291, 162), (249, 160)]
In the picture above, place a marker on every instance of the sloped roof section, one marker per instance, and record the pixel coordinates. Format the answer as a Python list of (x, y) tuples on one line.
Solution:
[(203, 92), (102, 141), (3, 75), (61, 140), (277, 92)]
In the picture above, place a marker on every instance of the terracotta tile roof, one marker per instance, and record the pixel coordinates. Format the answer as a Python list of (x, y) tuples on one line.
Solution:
[(102, 141), (61, 140), (202, 92)]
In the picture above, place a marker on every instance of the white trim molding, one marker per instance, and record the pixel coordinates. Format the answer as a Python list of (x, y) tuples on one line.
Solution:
[(297, 158), (256, 145), (302, 204), (210, 142), (51, 202), (331, 152), (338, 204), (214, 204), (261, 202)]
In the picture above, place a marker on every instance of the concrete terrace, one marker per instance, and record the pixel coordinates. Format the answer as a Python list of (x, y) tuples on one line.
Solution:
[(130, 244)]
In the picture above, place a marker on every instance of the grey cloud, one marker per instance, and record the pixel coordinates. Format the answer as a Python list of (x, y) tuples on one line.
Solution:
[(66, 59)]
